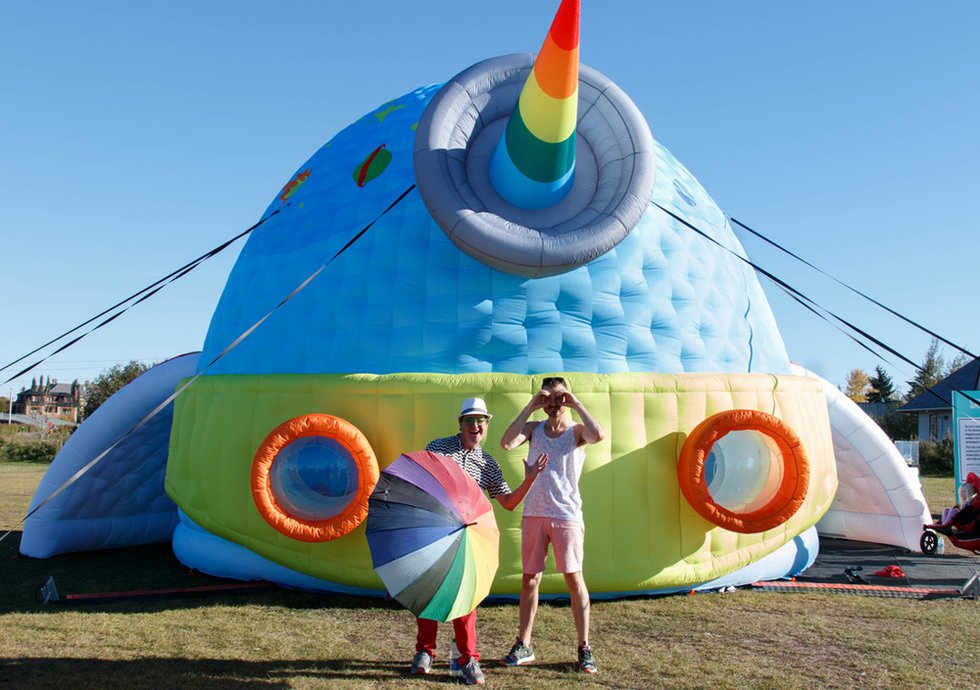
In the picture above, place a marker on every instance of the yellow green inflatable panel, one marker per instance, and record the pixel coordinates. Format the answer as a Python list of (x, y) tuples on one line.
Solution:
[(642, 532)]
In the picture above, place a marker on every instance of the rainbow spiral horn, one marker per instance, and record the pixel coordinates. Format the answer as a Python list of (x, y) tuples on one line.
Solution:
[(534, 164)]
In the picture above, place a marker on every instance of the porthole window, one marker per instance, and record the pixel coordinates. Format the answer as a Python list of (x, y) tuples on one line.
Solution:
[(312, 476), (744, 470)]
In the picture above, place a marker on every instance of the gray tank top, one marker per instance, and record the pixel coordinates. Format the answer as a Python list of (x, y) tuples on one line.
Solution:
[(554, 493)]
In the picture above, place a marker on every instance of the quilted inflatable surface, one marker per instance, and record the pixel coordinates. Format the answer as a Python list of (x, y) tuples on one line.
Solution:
[(404, 298), (642, 533), (120, 500), (409, 319)]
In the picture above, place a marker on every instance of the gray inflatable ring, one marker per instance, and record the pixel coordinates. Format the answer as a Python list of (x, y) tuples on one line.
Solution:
[(614, 171)]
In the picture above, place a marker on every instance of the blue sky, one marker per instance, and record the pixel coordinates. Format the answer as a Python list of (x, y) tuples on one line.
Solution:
[(136, 136)]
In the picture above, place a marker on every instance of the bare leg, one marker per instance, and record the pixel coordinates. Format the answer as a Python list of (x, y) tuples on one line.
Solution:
[(580, 605), (529, 606)]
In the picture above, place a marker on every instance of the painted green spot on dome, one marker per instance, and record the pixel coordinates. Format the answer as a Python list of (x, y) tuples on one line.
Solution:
[(372, 166)]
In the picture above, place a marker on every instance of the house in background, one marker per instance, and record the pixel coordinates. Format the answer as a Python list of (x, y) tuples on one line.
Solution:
[(934, 407), (51, 399)]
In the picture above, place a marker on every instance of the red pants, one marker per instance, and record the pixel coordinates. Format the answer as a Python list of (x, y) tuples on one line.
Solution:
[(465, 629)]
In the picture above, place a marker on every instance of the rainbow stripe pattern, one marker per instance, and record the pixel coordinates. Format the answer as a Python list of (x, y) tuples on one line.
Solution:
[(433, 537), (534, 164)]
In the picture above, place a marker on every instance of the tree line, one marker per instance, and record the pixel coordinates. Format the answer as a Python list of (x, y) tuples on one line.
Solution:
[(880, 388), (42, 446), (935, 457)]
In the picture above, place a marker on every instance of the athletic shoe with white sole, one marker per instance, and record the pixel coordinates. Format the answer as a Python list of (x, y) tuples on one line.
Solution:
[(586, 663), (519, 654), (422, 664), (471, 673)]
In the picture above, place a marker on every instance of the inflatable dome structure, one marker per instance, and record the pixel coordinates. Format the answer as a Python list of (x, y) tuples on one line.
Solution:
[(466, 239)]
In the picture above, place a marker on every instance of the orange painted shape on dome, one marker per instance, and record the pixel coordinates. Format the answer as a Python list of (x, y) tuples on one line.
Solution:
[(294, 184)]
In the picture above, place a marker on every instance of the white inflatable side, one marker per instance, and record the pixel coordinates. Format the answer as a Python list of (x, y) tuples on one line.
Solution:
[(879, 497), (120, 500)]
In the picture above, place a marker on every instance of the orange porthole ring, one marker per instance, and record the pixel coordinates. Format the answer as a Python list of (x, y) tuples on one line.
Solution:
[(323, 425), (788, 496)]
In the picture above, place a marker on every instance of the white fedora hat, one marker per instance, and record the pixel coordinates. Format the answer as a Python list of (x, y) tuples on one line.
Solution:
[(474, 406)]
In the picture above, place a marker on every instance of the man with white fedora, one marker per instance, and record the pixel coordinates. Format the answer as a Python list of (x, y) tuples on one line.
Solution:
[(466, 449)]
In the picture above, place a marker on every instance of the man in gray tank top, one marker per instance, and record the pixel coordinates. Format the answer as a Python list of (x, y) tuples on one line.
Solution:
[(553, 509)]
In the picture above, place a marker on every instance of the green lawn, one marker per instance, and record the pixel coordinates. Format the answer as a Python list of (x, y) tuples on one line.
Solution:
[(287, 639), (939, 492)]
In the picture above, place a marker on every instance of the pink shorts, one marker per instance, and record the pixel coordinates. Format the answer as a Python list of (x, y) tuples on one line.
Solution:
[(566, 536)]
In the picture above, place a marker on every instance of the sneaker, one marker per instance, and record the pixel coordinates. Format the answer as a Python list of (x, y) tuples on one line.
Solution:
[(422, 664), (471, 673), (519, 654), (586, 664)]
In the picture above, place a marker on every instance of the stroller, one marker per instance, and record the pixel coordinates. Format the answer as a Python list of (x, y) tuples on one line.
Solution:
[(929, 541), (963, 529)]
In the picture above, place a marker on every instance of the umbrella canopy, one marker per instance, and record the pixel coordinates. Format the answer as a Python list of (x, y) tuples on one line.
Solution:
[(432, 535)]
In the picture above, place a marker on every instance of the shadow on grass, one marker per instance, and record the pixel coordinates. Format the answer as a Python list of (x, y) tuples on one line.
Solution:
[(200, 673), (39, 672), (134, 570)]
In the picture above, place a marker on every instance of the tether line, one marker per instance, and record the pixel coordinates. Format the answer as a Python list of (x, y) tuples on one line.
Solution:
[(149, 291), (235, 343), (806, 301), (891, 311)]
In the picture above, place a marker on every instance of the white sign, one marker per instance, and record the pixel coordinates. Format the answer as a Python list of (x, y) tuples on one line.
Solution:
[(968, 438)]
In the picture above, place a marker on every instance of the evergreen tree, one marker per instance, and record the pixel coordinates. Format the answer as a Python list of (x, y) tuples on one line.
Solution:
[(930, 372), (958, 362), (881, 388)]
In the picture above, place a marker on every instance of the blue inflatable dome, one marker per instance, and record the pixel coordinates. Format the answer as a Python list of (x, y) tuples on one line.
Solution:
[(404, 298)]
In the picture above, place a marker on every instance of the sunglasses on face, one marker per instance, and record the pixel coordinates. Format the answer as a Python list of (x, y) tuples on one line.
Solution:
[(475, 420)]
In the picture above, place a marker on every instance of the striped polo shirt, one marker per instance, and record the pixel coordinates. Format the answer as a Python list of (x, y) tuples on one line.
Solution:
[(477, 463)]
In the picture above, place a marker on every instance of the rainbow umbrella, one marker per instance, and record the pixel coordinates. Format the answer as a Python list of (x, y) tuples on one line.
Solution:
[(432, 535)]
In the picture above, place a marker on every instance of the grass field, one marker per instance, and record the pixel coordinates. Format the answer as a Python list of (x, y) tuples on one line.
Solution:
[(286, 639)]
